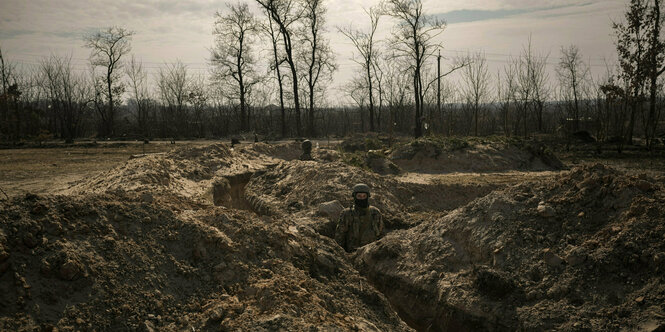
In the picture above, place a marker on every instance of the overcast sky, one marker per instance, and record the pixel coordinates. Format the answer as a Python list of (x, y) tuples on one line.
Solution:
[(167, 30)]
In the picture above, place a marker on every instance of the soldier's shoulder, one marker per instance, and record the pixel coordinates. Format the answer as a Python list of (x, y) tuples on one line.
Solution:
[(374, 210), (346, 211)]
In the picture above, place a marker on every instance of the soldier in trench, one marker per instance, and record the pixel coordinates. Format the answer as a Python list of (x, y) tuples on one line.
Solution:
[(306, 147), (361, 224)]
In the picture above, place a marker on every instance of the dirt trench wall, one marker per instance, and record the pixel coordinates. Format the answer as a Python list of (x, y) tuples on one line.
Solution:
[(426, 156), (540, 256), (303, 185), (114, 262), (212, 238), (229, 191), (143, 247)]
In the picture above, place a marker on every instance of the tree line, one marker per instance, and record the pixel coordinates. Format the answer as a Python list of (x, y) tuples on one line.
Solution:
[(399, 87)]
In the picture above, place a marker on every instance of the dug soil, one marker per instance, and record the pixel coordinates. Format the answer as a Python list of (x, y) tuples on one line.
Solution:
[(584, 251), (214, 238), (144, 247)]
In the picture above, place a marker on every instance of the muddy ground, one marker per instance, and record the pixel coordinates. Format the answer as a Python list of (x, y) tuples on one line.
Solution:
[(199, 236)]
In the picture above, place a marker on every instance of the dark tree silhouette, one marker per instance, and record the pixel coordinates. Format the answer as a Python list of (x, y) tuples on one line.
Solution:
[(413, 38), (232, 56), (108, 46)]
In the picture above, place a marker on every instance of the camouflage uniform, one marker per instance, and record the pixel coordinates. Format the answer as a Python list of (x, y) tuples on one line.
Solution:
[(358, 227)]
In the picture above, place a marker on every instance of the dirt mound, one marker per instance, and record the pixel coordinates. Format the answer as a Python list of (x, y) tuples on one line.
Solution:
[(214, 238), (363, 142), (164, 242), (112, 262), (584, 251), (306, 184), (378, 163), (284, 151), (188, 173), (301, 186), (431, 155)]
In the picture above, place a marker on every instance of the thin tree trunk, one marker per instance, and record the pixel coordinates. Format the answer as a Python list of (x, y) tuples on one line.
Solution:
[(109, 121)]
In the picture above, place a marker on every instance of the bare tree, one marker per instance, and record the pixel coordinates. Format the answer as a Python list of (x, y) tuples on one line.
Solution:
[(138, 84), (68, 95), (449, 93), (107, 47), (17, 116), (532, 86), (380, 76), (364, 43), (278, 59), (261, 96), (524, 90), (7, 94), (396, 87), (355, 89), (197, 98), (233, 56), (173, 83), (604, 107), (477, 89), (507, 93), (5, 73), (641, 56), (616, 102), (285, 13), (573, 76), (413, 38), (29, 96), (655, 68), (540, 82), (317, 55)]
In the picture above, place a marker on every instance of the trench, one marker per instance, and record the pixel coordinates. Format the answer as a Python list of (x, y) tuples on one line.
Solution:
[(418, 305), (418, 308), (230, 191)]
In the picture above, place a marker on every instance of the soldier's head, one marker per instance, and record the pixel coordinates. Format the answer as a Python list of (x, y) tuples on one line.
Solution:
[(361, 195), (306, 146)]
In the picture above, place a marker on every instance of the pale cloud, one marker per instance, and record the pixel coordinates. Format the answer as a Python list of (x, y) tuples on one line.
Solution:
[(437, 6), (167, 30)]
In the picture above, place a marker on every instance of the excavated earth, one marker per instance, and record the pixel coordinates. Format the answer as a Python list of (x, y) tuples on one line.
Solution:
[(145, 247), (214, 238), (582, 252), (426, 156)]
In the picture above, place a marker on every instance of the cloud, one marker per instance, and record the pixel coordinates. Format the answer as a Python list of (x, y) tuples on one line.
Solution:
[(546, 3), (502, 33), (472, 15), (174, 29), (15, 33), (461, 16)]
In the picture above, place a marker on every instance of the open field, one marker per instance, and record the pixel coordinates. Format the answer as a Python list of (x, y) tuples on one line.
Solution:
[(47, 170)]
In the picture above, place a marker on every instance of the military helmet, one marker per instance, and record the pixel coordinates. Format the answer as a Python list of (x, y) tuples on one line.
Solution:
[(360, 188), (306, 144)]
